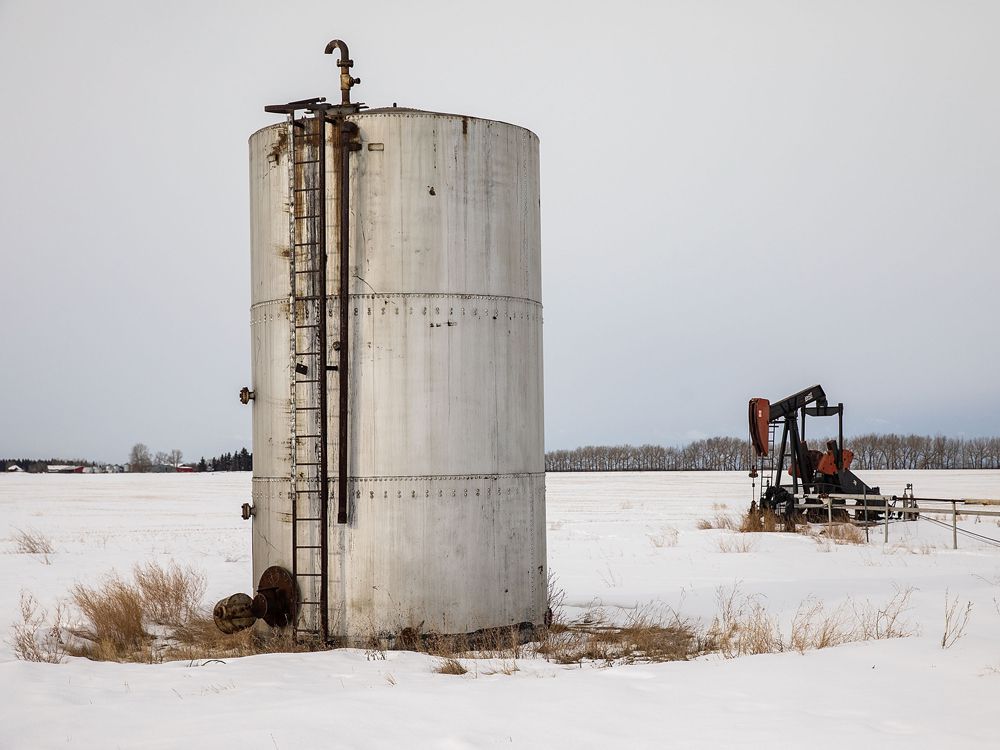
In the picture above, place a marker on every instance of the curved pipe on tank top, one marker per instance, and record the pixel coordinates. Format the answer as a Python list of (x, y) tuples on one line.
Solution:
[(345, 63)]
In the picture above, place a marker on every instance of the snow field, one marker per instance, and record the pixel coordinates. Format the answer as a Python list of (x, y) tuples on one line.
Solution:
[(617, 541)]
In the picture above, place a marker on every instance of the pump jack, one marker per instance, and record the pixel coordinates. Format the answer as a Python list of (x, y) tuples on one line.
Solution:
[(812, 472)]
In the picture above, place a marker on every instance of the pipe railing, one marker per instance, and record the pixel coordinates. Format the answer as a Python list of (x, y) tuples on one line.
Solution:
[(884, 504)]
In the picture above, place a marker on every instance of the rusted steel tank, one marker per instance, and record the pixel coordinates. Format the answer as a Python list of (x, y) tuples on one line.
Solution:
[(442, 525)]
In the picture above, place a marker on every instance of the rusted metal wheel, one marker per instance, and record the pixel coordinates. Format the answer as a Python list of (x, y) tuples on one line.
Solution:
[(277, 599)]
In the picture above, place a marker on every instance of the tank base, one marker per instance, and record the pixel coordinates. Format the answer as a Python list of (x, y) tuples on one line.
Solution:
[(485, 639)]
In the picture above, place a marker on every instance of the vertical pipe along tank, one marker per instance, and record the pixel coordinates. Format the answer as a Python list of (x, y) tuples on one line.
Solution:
[(445, 505)]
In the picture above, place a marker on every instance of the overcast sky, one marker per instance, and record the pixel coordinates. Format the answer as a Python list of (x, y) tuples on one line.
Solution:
[(738, 199)]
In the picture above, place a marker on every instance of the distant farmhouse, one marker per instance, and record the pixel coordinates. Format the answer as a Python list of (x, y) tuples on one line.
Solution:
[(70, 469), (65, 469), (171, 469)]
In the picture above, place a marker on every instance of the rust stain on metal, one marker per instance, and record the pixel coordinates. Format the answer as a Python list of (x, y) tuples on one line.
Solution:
[(280, 146), (277, 598)]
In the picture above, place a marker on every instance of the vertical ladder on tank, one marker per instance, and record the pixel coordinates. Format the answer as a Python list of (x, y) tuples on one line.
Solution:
[(309, 493)]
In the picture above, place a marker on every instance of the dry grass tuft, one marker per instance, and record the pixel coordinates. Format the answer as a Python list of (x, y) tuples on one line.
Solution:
[(504, 667), (494, 643), (744, 626), (33, 639), (719, 521), (113, 629), (767, 521), (170, 596), (814, 627), (32, 543), (555, 597), (921, 547), (844, 533), (956, 618), (761, 521), (736, 544), (648, 635), (887, 621), (752, 522), (199, 638), (666, 537), (450, 666)]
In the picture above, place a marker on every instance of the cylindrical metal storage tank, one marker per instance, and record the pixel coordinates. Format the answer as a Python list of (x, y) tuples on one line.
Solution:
[(445, 526)]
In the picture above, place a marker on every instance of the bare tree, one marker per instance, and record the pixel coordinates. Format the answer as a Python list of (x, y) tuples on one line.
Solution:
[(139, 459), (174, 457)]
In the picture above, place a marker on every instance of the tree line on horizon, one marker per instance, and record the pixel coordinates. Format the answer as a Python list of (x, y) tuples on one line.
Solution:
[(141, 460), (871, 451)]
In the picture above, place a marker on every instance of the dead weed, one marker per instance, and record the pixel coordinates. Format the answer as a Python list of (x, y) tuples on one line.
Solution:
[(744, 626)]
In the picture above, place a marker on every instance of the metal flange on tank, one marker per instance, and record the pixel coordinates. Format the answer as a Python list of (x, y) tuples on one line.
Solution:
[(276, 603)]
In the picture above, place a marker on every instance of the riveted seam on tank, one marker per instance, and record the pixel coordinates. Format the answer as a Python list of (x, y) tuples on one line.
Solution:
[(402, 295), (260, 305), (443, 295), (446, 477)]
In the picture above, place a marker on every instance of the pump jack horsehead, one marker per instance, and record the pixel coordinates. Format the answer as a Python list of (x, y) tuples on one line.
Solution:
[(814, 474)]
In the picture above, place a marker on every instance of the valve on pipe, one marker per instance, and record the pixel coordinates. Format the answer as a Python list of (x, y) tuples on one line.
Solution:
[(345, 63), (276, 603)]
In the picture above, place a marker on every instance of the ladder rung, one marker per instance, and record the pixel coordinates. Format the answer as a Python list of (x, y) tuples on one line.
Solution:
[(304, 190), (303, 437), (307, 216), (316, 603), (308, 546), (308, 575), (306, 408), (306, 463), (307, 354), (308, 519), (305, 161), (306, 381)]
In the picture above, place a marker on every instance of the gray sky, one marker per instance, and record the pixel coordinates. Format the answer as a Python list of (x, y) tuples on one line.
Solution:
[(738, 199)]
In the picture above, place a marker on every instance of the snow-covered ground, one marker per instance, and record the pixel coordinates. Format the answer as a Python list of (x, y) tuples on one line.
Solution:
[(611, 543)]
